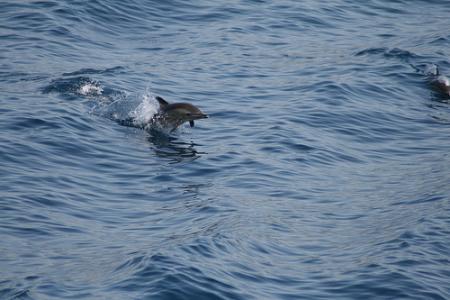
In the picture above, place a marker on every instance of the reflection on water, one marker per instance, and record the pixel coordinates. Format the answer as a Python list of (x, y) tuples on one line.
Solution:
[(171, 148)]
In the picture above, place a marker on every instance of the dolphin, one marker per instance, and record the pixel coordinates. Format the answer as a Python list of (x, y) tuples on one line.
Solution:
[(440, 82), (172, 115)]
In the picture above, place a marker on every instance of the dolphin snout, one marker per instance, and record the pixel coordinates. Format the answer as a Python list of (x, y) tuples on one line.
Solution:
[(199, 116)]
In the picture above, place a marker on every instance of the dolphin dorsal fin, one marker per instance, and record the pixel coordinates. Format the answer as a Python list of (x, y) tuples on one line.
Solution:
[(162, 103)]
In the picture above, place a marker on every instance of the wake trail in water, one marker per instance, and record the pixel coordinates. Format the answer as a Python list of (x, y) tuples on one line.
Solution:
[(128, 109)]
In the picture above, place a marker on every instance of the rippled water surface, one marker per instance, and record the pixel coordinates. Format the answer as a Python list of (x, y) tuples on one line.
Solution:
[(322, 172)]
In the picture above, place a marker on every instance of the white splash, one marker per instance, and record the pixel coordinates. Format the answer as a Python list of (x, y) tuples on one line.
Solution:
[(144, 112), (90, 89), (431, 69)]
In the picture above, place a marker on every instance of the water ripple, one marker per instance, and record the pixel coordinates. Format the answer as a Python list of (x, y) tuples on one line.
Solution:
[(322, 172)]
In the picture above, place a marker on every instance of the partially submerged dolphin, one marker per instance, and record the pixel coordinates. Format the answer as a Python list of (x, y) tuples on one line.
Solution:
[(172, 115), (440, 82)]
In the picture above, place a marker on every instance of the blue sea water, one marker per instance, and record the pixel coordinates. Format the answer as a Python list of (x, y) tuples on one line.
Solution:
[(323, 171)]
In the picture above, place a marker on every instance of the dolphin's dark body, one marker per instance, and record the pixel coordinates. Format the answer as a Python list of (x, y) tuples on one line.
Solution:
[(175, 114)]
